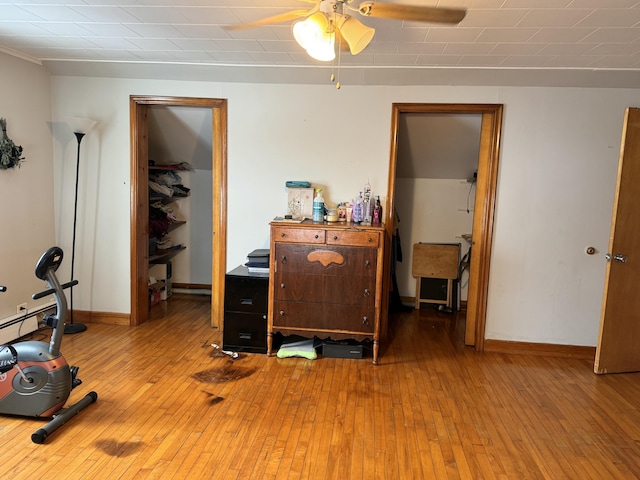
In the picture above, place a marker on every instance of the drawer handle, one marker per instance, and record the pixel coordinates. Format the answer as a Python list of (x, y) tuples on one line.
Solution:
[(335, 237), (282, 285), (283, 234), (245, 336), (365, 321), (284, 259), (367, 264), (281, 313), (366, 292), (370, 239), (316, 236), (246, 301)]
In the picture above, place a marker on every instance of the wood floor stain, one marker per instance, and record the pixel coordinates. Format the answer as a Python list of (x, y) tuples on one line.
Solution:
[(119, 449), (228, 372)]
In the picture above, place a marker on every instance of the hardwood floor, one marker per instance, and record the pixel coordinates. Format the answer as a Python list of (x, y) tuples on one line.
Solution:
[(170, 407)]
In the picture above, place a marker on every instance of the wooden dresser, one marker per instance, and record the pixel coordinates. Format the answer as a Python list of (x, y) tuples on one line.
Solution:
[(326, 280)]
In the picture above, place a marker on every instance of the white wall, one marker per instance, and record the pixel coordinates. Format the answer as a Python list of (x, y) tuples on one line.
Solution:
[(26, 193), (194, 264), (556, 182), (560, 151)]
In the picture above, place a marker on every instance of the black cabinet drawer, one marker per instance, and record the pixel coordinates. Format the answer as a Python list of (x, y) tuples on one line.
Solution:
[(246, 294), (245, 332)]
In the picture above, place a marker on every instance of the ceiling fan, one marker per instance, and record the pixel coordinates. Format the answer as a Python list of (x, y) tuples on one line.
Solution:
[(329, 19)]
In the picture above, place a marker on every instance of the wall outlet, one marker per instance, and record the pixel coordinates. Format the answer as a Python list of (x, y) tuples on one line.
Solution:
[(22, 308)]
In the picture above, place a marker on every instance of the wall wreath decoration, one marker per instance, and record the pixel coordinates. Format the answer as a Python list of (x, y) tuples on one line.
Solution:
[(10, 153)]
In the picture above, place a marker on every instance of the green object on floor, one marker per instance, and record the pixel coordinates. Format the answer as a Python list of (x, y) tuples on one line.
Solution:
[(303, 349)]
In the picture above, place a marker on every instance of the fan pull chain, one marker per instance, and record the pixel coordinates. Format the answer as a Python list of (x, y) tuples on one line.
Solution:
[(339, 58), (333, 66), (338, 82)]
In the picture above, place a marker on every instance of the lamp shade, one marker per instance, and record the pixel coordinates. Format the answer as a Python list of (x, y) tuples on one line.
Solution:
[(357, 35), (315, 36), (80, 125)]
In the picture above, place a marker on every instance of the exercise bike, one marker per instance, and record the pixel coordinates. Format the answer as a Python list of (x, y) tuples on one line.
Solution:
[(35, 379)]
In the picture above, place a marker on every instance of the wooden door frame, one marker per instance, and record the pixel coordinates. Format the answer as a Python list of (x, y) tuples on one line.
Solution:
[(483, 216), (138, 106)]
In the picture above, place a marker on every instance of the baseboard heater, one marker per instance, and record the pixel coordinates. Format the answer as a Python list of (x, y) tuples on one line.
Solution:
[(23, 323)]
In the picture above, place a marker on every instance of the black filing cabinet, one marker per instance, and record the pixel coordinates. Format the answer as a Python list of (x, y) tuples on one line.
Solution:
[(245, 311)]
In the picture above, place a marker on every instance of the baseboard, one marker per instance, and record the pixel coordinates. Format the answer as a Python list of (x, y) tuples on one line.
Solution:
[(192, 286), (542, 349), (104, 318)]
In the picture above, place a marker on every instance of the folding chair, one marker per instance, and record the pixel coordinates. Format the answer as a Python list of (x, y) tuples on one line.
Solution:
[(435, 260)]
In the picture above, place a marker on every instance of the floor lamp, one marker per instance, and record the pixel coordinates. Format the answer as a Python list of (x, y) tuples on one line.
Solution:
[(80, 127)]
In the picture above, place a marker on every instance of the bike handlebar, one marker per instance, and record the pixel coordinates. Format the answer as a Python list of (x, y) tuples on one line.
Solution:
[(44, 293)]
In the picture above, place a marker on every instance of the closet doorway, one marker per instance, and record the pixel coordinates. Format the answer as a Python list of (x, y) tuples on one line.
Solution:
[(139, 109), (483, 215)]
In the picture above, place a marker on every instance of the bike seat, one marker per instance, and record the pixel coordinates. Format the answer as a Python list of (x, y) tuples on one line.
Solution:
[(51, 259), (7, 364)]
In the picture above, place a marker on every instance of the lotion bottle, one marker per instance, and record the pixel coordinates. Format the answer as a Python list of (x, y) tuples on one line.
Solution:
[(377, 211), (318, 206)]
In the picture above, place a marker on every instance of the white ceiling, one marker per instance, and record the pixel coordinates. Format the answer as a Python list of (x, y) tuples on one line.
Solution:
[(500, 42)]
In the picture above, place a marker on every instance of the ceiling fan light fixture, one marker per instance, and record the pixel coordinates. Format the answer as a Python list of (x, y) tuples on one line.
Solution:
[(357, 35), (315, 35), (324, 52)]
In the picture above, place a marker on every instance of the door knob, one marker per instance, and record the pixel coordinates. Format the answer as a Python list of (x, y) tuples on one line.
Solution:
[(618, 257)]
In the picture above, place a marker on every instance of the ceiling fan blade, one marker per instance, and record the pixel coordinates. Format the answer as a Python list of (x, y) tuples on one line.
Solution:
[(283, 17), (412, 13)]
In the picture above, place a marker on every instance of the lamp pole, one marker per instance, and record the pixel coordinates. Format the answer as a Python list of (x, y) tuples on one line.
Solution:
[(72, 327)]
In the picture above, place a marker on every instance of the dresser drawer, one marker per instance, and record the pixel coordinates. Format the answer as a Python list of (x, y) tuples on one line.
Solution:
[(246, 294), (324, 317), (318, 288), (299, 235), (325, 260), (353, 238)]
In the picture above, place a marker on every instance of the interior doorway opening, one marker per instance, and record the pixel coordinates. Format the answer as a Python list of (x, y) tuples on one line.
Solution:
[(483, 215), (139, 113)]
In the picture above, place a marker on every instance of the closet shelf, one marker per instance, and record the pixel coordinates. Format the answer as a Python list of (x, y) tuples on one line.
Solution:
[(172, 167), (162, 256), (171, 228), (176, 224), (166, 200)]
